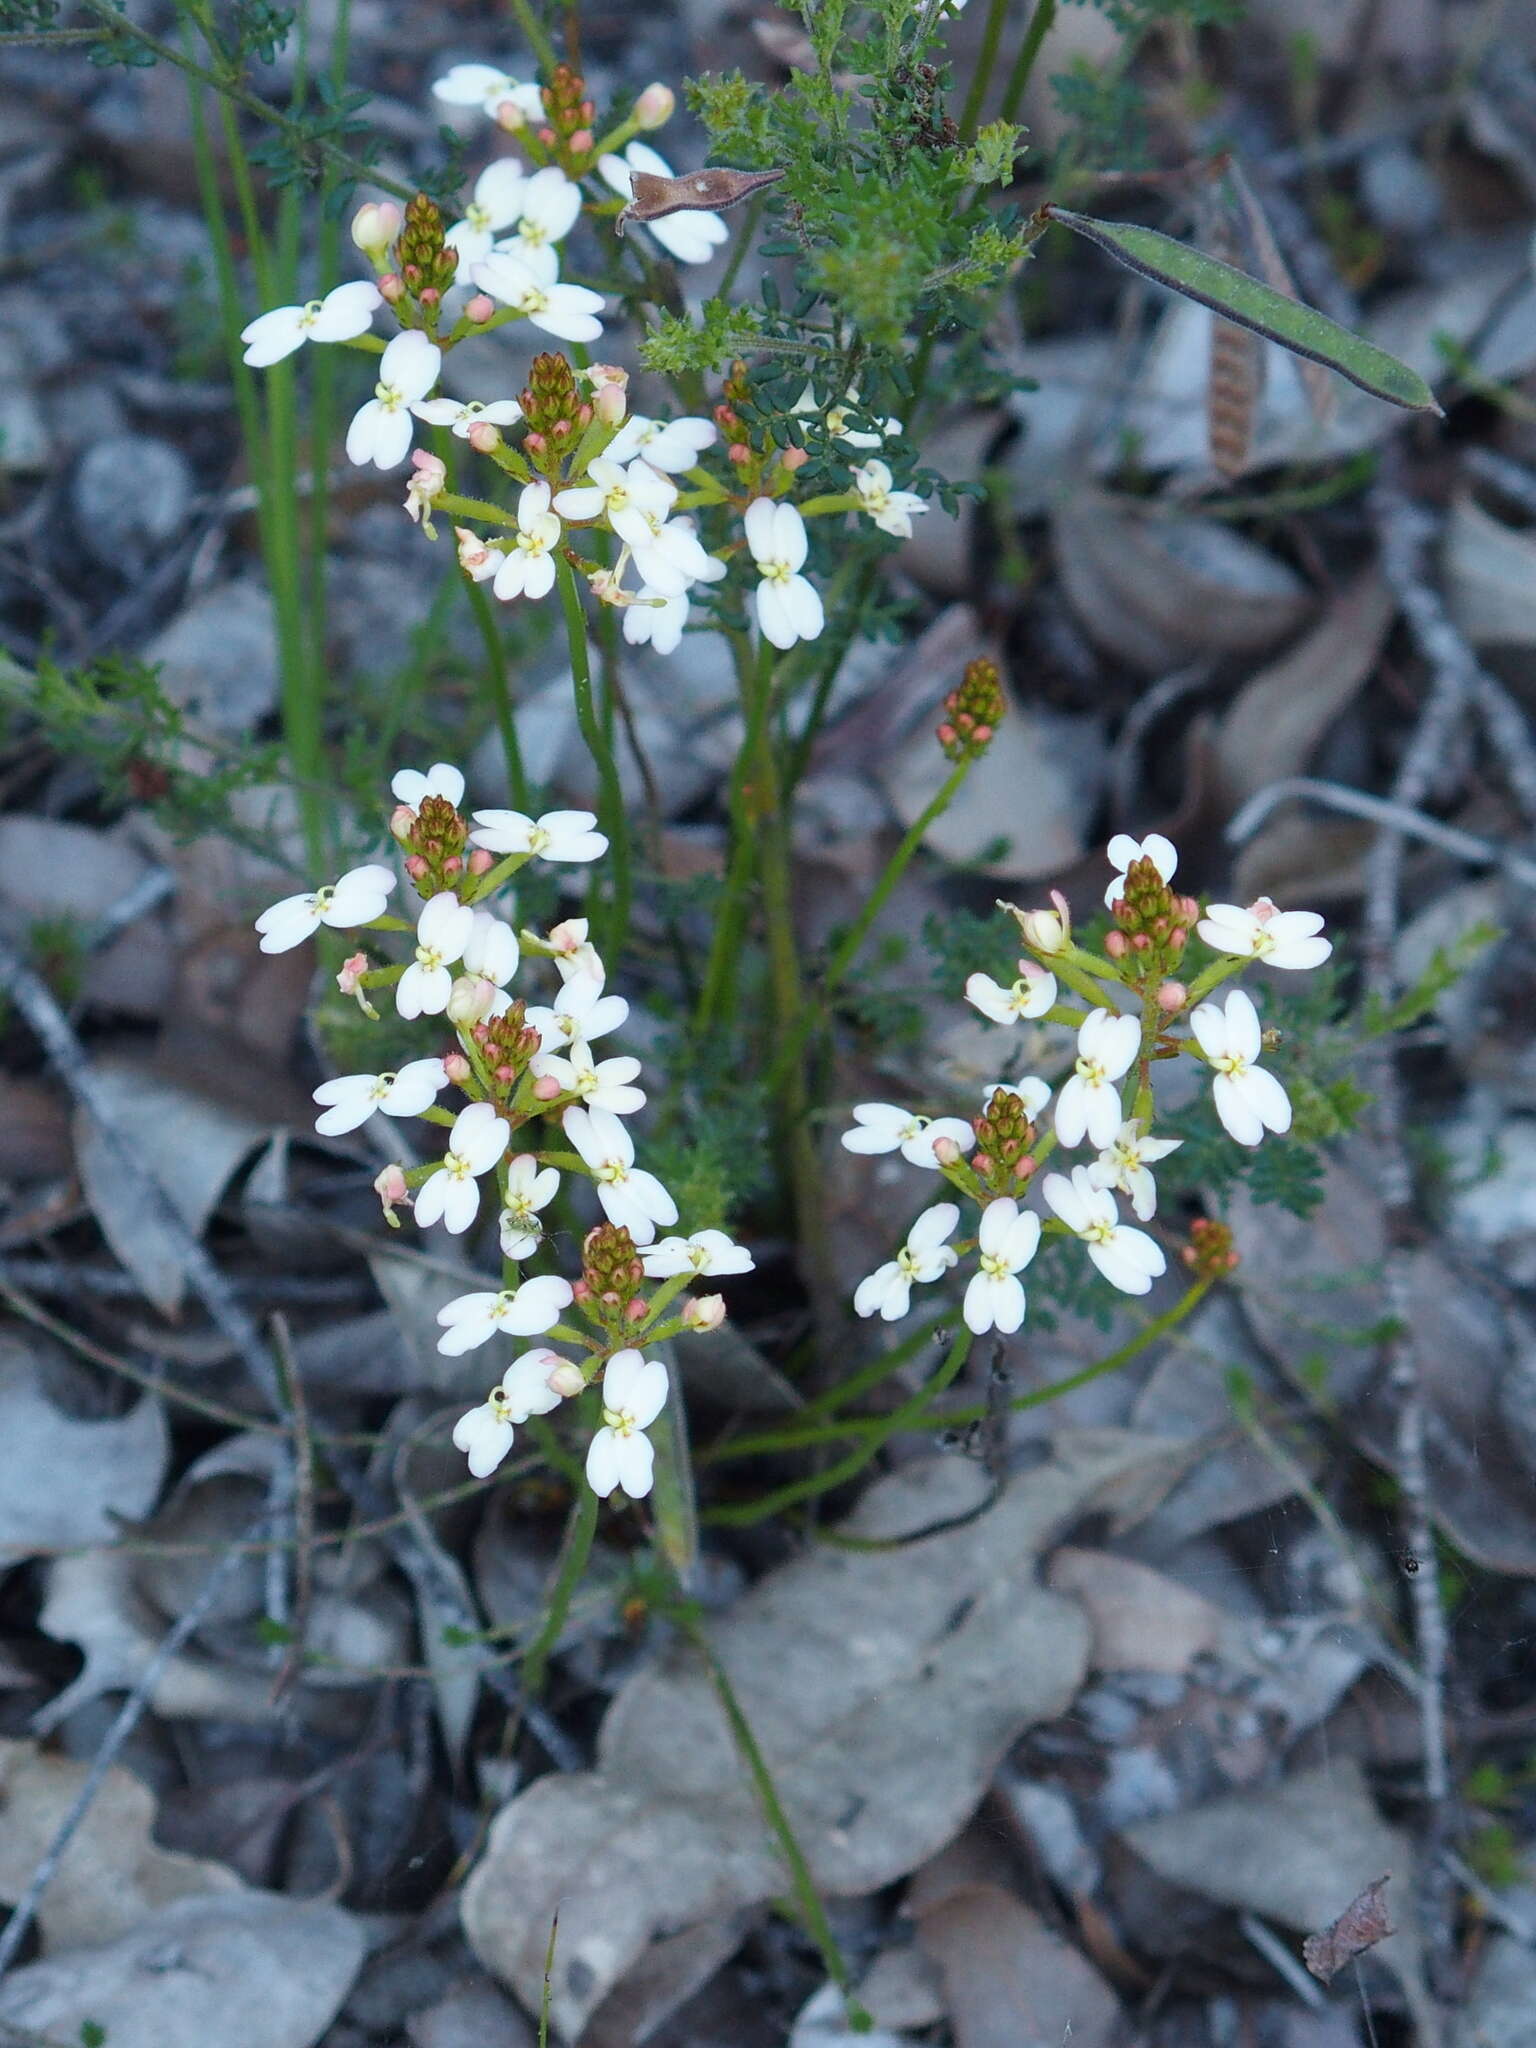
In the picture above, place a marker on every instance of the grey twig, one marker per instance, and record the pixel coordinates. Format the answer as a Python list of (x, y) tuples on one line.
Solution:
[(147, 894), (1381, 811), (127, 1719), (1513, 479)]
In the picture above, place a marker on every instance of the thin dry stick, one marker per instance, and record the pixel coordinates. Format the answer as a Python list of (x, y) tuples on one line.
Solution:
[(128, 1718), (1379, 811), (302, 1508)]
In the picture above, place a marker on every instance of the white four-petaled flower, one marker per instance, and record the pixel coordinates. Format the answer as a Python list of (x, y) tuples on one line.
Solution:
[(1249, 1100), (1030, 996), (442, 932), (486, 1433), (1089, 1103), (470, 1320), (1125, 1162), (1007, 1240), (380, 432), (630, 1197), (451, 1195), (707, 1252), (527, 566), (671, 445), (497, 199), (788, 605), (547, 208), (600, 1084), (1029, 1088), (357, 898), (887, 1292), (341, 315), (530, 1188), (568, 311), (491, 950), (461, 417), (1280, 938), (634, 1394), (1128, 1259), (557, 835), (883, 1127), (483, 86), (411, 786), (351, 1099), (891, 510), (1123, 850)]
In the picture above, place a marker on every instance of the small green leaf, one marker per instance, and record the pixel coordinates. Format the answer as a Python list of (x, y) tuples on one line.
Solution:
[(92, 2034), (1248, 303)]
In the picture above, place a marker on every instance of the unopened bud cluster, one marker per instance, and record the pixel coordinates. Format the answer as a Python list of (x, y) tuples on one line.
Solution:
[(972, 712)]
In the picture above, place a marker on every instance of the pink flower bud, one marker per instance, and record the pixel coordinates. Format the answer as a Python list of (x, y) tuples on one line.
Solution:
[(546, 1088), (457, 1068), (393, 1193), (611, 404), (599, 374), (655, 106), (470, 1000), (1048, 931), (430, 297), (353, 968), (402, 823), (1116, 945), (375, 226), (566, 1380), (636, 1310), (704, 1312), (581, 141), (510, 117), (1172, 997), (581, 1290), (481, 862), (1263, 909), (415, 866), (391, 288), (480, 308), (739, 452), (484, 438), (946, 1151), (794, 458)]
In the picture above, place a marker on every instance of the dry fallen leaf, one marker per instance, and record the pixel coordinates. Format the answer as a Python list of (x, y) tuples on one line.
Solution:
[(653, 198), (847, 1662), (1142, 1620), (1009, 1982), (1360, 1926), (1490, 577)]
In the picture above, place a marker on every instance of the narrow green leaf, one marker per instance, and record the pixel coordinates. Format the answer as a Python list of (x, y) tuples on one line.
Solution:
[(1248, 303)]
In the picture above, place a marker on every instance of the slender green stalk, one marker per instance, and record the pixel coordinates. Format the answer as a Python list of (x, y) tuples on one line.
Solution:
[(498, 692), (986, 65), (832, 661), (792, 1042), (814, 1913), (575, 1550), (615, 919), (537, 34), (1040, 23), (717, 999)]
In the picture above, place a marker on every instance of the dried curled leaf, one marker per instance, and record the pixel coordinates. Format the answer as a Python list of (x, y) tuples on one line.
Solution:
[(1360, 1926), (653, 198), (1248, 303)]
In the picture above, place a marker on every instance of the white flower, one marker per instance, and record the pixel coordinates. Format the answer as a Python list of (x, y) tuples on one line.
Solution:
[(483, 86), (674, 557), (1124, 1162), (575, 955), (557, 835), (380, 432), (476, 558), (835, 419), (1280, 938), (341, 315), (497, 201), (882, 1127), (1123, 850), (527, 569), (358, 898), (632, 1198), (671, 445), (442, 932), (634, 1393), (351, 1099), (788, 607), (530, 1188), (892, 511), (1249, 1100), (548, 207), (410, 786), (471, 1320), (1029, 1088), (491, 950), (655, 620), (1128, 1259), (476, 1142), (635, 501), (707, 1252), (567, 311), (601, 1084), (475, 412), (1089, 1103), (887, 1292), (582, 1013), (485, 1434), (1030, 996), (1007, 1240), (692, 235)]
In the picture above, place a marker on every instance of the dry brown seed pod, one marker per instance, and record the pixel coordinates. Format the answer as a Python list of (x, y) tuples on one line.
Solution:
[(653, 198)]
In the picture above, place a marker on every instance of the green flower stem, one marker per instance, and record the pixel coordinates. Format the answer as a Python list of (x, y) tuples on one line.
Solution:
[(538, 38), (848, 948), (575, 1550), (863, 583), (986, 67), (912, 1414), (1220, 970), (717, 998), (1018, 78), (872, 1374), (615, 913), (1078, 980), (497, 683), (455, 506), (811, 1908)]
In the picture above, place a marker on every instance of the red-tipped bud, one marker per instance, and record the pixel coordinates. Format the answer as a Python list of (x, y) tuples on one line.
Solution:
[(546, 1088), (481, 862), (581, 141), (946, 1151), (794, 458), (484, 437), (415, 866), (637, 1310), (1116, 945), (480, 308), (1172, 997), (457, 1068), (391, 288)]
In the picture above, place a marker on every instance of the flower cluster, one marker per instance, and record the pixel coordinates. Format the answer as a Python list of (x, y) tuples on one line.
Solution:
[(1136, 999), (518, 1067), (584, 467)]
